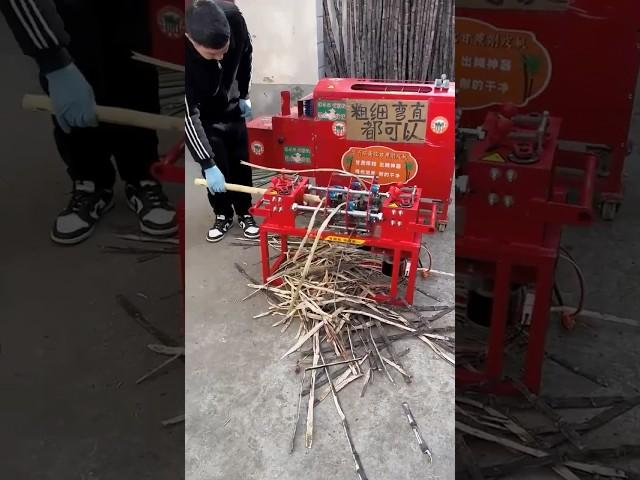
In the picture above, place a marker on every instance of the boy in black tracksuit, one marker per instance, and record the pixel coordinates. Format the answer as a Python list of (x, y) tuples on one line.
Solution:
[(83, 49), (218, 73)]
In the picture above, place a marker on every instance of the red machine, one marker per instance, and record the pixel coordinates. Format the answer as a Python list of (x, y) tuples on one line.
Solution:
[(513, 195), (395, 141), (167, 30), (577, 59)]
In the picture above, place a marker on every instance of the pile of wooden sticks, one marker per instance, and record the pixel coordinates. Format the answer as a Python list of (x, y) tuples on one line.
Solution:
[(560, 445), (323, 292)]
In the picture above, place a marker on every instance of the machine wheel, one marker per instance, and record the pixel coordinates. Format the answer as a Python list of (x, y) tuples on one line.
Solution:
[(609, 210), (442, 226)]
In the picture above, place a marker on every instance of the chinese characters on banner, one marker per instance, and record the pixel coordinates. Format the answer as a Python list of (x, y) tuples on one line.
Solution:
[(515, 4), (391, 121), (390, 166), (497, 66)]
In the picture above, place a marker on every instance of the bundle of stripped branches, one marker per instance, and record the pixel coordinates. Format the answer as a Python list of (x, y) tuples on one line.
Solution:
[(389, 39)]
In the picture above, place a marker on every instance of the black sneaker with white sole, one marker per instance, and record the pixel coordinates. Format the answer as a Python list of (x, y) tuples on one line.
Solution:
[(249, 226), (156, 215), (219, 229), (77, 222)]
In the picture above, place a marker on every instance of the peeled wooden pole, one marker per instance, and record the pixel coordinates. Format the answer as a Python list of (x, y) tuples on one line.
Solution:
[(232, 187), (115, 115)]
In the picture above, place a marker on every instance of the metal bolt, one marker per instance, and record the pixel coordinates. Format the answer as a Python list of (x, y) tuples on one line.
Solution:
[(511, 175), (400, 212), (393, 223), (494, 173), (493, 198), (399, 224), (393, 212), (508, 201)]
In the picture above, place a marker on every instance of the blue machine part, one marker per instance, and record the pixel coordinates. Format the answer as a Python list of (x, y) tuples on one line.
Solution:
[(336, 195), (352, 205)]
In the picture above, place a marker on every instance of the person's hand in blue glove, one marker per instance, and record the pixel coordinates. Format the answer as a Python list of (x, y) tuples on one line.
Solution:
[(245, 107), (72, 98), (215, 179)]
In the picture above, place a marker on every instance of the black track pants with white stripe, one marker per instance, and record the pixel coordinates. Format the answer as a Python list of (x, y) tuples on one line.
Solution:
[(101, 44), (229, 144)]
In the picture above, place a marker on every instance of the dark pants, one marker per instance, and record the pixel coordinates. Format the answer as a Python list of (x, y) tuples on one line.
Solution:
[(102, 37), (229, 144)]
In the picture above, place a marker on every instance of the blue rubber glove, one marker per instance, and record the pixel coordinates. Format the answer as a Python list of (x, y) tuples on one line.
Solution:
[(72, 98), (215, 179), (245, 107)]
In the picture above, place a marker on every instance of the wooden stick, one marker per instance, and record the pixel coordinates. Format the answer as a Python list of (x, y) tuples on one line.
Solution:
[(562, 425), (468, 459), (232, 187), (114, 115), (158, 368), (345, 424), (173, 420), (158, 63), (561, 470), (334, 363), (308, 438), (585, 402)]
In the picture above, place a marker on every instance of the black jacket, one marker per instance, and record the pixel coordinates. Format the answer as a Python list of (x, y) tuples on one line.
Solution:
[(112, 28), (39, 31), (214, 89)]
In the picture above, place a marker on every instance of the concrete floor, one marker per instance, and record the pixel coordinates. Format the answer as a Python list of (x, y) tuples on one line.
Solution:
[(69, 357), (241, 400), (608, 253)]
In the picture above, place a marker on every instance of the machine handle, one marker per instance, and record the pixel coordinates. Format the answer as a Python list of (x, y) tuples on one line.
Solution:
[(115, 115), (428, 227), (581, 213), (232, 187), (586, 194)]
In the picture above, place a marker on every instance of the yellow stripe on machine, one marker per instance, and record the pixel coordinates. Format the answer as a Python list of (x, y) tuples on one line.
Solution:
[(341, 239)]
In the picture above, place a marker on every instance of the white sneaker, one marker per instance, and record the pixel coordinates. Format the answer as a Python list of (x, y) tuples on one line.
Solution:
[(249, 226), (219, 229)]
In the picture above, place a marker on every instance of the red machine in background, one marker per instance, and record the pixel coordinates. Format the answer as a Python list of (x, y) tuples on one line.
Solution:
[(167, 30), (578, 59), (512, 199), (167, 35), (395, 141)]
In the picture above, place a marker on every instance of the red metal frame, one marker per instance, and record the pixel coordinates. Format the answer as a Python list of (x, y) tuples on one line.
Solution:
[(517, 242), (398, 234), (325, 142), (593, 80)]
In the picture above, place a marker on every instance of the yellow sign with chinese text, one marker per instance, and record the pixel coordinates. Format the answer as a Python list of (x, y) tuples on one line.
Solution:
[(390, 166), (498, 66), (387, 121), (341, 239)]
